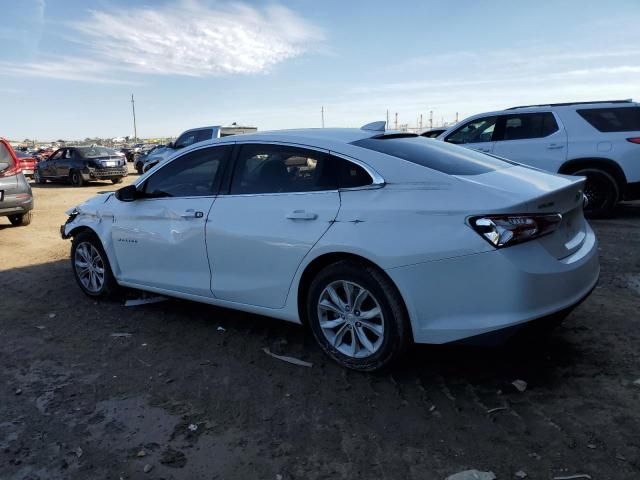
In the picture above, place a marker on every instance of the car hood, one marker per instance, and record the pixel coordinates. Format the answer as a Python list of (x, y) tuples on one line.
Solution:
[(92, 205)]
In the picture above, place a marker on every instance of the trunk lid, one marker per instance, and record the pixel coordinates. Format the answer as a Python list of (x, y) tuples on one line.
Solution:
[(526, 190)]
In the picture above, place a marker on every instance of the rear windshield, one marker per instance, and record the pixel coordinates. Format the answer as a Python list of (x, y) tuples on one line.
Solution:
[(434, 154), (92, 152), (621, 119)]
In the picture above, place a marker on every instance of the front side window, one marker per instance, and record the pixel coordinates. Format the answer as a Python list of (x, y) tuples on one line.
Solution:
[(57, 155), (476, 131), (621, 119), (281, 169), (186, 139), (196, 174), (526, 125)]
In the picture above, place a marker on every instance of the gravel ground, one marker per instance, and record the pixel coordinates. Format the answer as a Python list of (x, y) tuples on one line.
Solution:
[(189, 393)]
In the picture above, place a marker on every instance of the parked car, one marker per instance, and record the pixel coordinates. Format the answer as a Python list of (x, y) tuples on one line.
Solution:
[(190, 137), (16, 199), (597, 140), (142, 158), (434, 132), (27, 163), (373, 240), (79, 165)]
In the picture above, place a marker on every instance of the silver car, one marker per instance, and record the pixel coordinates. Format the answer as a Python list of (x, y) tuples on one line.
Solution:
[(16, 199)]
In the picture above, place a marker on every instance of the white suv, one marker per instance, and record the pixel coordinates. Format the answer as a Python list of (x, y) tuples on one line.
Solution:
[(597, 140)]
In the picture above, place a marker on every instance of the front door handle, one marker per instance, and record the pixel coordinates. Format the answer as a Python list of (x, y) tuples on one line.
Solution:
[(555, 146), (191, 213), (302, 215)]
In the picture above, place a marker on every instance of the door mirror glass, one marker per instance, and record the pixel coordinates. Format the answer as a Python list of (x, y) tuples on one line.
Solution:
[(128, 194)]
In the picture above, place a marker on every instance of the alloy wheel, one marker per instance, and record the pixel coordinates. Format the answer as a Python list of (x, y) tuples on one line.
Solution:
[(351, 319), (89, 266)]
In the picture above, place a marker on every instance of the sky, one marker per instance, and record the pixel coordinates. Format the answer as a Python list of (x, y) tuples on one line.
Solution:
[(68, 67)]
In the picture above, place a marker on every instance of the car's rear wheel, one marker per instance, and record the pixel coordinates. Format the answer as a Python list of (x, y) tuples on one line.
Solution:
[(21, 220), (357, 316), (602, 192), (116, 180), (38, 178), (91, 266), (76, 178)]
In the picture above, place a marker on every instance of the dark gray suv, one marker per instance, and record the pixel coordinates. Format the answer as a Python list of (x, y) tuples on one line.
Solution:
[(16, 199)]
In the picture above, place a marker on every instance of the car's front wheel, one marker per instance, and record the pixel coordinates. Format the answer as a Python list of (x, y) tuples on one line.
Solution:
[(91, 266), (116, 180), (21, 220), (357, 316), (602, 192)]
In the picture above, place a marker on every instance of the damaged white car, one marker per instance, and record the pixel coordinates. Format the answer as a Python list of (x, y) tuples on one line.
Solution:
[(373, 239)]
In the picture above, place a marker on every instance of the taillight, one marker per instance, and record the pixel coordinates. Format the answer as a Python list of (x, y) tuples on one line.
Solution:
[(506, 230), (634, 140)]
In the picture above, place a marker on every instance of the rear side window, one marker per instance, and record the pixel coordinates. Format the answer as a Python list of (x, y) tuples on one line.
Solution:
[(526, 125), (281, 169), (5, 155), (621, 119), (204, 134), (349, 174), (440, 156)]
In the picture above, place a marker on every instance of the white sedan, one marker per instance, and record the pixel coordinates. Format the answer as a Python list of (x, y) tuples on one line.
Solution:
[(372, 239)]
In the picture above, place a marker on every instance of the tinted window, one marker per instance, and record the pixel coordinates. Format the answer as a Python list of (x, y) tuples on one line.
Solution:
[(195, 174), (349, 174), (526, 125), (436, 155), (93, 152), (621, 119), (204, 134), (432, 133), (476, 131), (57, 155), (281, 169)]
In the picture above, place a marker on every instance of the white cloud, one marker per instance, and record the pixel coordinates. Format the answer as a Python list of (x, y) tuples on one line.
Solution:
[(187, 37)]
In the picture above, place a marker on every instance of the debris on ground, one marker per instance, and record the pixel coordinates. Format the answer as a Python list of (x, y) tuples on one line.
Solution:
[(52, 315), (284, 358), (141, 454), (637, 382), (173, 458), (497, 409), (221, 329), (40, 327), (147, 468), (520, 385), (472, 475), (120, 335), (520, 474), (192, 427), (573, 477), (18, 391), (144, 301), (78, 451), (592, 446)]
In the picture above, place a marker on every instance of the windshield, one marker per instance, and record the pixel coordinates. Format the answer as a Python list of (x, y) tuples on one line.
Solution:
[(93, 152), (434, 154)]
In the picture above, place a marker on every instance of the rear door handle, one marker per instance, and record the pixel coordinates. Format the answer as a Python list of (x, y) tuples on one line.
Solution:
[(555, 146), (191, 213), (302, 215)]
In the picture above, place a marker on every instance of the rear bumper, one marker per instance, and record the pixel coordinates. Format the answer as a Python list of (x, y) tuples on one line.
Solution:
[(15, 208), (105, 174), (464, 297)]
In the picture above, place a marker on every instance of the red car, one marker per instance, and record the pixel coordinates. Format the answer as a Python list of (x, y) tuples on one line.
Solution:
[(27, 163)]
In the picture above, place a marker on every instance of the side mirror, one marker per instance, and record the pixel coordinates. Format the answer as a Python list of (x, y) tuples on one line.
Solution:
[(128, 194), (171, 145)]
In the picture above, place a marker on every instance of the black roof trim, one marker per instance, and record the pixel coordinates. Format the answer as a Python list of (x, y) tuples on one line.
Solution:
[(385, 136), (629, 100)]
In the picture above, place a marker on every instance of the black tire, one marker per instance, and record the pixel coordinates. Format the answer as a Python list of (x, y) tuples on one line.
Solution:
[(76, 178), (602, 192), (116, 180), (21, 220), (38, 178), (108, 287), (396, 334)]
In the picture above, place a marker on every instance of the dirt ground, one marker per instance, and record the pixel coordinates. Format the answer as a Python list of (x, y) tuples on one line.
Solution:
[(190, 394)]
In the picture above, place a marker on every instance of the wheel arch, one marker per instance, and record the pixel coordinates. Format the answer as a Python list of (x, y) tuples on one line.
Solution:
[(326, 259), (606, 164)]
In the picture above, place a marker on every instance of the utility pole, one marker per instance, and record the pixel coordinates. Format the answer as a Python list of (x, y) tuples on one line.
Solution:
[(456, 117), (396, 121), (386, 125), (322, 115), (133, 108), (420, 121), (430, 119)]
